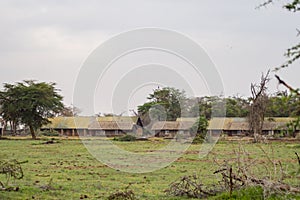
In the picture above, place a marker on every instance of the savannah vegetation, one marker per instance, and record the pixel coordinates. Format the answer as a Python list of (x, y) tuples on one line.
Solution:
[(70, 172)]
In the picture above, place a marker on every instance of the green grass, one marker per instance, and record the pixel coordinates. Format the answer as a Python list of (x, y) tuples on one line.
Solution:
[(75, 173)]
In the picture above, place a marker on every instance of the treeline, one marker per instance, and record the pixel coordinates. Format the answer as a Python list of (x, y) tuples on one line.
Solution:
[(277, 105), (170, 104)]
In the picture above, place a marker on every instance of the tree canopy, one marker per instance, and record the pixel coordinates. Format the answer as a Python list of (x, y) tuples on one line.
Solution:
[(163, 104), (30, 103)]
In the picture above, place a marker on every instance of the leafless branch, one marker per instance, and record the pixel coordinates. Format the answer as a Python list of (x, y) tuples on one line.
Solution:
[(258, 106), (280, 81), (264, 4)]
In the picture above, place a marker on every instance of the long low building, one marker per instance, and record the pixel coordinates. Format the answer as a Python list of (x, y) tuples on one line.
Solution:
[(234, 126), (171, 128), (241, 127), (114, 126), (91, 126)]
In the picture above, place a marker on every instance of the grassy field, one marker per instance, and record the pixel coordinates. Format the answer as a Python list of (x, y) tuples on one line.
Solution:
[(66, 170)]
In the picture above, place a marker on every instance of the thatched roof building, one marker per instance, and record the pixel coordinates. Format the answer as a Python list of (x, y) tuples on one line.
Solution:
[(171, 128)]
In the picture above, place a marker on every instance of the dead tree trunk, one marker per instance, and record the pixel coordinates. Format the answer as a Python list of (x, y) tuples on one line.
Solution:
[(258, 107)]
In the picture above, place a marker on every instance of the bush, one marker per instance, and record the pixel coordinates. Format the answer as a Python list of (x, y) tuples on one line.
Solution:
[(245, 193), (199, 138), (125, 138), (49, 133)]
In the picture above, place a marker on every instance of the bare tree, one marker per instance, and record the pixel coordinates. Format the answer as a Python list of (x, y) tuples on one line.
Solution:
[(258, 106)]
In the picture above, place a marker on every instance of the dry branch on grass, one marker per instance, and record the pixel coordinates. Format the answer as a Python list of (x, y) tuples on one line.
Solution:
[(122, 195), (298, 158), (243, 172), (192, 186), (237, 173), (125, 194), (11, 169)]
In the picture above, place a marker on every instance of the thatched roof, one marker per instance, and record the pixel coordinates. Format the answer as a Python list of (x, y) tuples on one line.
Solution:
[(84, 122), (187, 119), (172, 125), (110, 125), (232, 124), (126, 123), (239, 126), (274, 125), (132, 119), (69, 123), (222, 123)]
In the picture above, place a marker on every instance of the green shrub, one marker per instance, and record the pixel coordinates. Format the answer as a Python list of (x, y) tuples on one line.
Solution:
[(49, 133), (125, 138), (199, 138), (243, 194)]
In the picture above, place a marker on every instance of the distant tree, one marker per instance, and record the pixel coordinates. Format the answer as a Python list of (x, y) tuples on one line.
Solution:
[(200, 126), (30, 103), (69, 111), (203, 107), (214, 105), (9, 107), (293, 126), (199, 129), (283, 104), (165, 102), (237, 107)]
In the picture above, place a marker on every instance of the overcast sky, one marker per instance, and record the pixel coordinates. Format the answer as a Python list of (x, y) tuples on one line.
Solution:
[(48, 40)]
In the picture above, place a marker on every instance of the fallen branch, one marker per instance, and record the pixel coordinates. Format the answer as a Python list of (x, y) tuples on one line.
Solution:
[(12, 169), (298, 158)]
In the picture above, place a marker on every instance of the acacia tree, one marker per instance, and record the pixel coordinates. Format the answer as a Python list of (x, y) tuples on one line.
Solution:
[(9, 108), (164, 104), (69, 111), (30, 103)]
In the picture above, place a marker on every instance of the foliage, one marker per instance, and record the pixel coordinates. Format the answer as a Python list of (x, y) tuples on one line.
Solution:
[(280, 104), (237, 107), (125, 138), (164, 104), (49, 133), (243, 194), (200, 125), (200, 129), (30, 103), (293, 126), (69, 111)]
